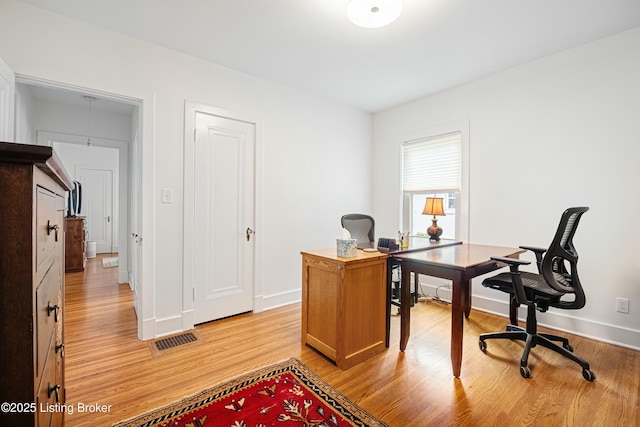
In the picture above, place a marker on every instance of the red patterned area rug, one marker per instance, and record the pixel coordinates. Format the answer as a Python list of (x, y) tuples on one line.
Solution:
[(284, 394)]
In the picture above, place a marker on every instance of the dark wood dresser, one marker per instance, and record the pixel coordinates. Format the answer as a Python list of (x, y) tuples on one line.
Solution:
[(75, 254), (32, 189)]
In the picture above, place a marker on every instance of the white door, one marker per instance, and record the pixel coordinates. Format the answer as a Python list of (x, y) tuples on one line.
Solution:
[(7, 102), (223, 167), (97, 206)]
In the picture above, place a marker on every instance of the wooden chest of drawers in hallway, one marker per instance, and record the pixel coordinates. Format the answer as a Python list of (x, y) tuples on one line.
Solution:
[(75, 254), (33, 183)]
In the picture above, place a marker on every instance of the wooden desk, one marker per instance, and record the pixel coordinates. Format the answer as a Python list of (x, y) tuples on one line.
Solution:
[(459, 263), (343, 305), (416, 244)]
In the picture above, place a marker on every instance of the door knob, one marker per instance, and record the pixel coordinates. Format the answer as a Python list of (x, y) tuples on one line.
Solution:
[(249, 233)]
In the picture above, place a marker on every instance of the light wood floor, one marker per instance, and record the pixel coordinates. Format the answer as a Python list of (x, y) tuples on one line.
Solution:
[(107, 365)]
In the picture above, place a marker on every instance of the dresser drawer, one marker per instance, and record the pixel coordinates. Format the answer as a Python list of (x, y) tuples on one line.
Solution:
[(50, 390), (48, 229), (48, 314)]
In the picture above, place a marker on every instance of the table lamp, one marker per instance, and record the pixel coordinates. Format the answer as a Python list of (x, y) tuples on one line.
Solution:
[(433, 206)]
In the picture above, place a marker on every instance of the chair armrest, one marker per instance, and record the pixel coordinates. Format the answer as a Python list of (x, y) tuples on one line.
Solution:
[(516, 280), (534, 249), (539, 252), (511, 261)]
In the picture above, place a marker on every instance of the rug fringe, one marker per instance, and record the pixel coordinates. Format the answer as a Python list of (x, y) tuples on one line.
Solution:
[(314, 383)]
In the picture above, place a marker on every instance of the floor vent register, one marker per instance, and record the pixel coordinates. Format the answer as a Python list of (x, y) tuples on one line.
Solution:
[(175, 341)]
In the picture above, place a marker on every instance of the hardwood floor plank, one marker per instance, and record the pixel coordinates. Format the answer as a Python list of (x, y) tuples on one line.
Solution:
[(108, 365)]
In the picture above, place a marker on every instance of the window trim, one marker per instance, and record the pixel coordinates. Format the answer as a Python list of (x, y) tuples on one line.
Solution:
[(462, 200)]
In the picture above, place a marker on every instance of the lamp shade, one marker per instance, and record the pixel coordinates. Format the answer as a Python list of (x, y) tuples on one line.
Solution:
[(433, 206), (374, 13)]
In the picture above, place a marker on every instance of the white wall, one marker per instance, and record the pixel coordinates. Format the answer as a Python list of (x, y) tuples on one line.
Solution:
[(305, 139), (51, 116), (558, 132), (25, 127)]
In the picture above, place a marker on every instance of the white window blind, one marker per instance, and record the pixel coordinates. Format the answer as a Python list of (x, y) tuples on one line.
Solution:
[(432, 164)]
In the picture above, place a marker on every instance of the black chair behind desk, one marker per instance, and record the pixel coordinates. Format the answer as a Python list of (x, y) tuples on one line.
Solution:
[(557, 278), (362, 228)]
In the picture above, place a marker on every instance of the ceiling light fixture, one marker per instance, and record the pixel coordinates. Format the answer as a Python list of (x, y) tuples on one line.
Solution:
[(90, 100), (374, 13)]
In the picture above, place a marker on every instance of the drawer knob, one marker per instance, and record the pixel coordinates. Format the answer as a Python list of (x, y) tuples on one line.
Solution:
[(54, 389), (50, 227), (60, 348), (55, 308)]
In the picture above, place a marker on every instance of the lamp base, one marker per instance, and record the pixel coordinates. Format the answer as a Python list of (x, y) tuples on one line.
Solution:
[(434, 231)]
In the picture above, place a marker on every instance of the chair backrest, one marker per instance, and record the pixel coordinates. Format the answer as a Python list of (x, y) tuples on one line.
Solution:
[(361, 227), (560, 262)]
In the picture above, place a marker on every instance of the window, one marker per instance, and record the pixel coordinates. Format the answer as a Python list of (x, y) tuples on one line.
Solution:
[(434, 165), (420, 222)]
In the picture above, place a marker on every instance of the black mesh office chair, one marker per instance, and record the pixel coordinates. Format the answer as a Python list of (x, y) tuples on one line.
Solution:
[(557, 278)]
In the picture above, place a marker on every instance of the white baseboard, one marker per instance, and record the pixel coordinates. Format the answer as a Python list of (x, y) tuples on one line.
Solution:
[(170, 325), (268, 302), (123, 276), (148, 329), (155, 328), (624, 337), (188, 319), (559, 320)]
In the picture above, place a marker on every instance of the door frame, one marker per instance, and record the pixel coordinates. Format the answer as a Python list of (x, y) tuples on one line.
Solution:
[(122, 189), (7, 100), (141, 174), (191, 109), (115, 209)]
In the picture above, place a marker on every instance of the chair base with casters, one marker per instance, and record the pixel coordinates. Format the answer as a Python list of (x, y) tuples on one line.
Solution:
[(555, 285), (533, 338)]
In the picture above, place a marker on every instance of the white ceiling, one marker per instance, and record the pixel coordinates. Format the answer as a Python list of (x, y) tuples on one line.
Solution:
[(310, 45)]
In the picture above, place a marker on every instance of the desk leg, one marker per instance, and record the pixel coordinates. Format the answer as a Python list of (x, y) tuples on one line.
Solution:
[(458, 310), (390, 264), (405, 308), (467, 298)]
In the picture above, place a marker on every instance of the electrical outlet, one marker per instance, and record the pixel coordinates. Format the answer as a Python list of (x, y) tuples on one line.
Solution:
[(622, 305)]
